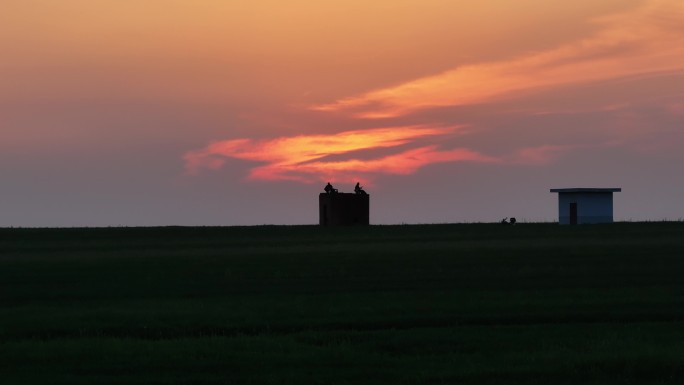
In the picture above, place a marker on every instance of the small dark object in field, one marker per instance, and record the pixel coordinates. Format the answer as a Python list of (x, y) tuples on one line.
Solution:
[(507, 221)]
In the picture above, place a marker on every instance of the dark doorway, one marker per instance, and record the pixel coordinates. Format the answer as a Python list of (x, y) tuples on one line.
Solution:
[(573, 213)]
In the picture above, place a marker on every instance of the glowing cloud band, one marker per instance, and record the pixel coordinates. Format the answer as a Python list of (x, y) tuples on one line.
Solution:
[(306, 157), (646, 41)]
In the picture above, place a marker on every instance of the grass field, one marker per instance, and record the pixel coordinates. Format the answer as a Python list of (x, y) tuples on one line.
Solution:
[(415, 304)]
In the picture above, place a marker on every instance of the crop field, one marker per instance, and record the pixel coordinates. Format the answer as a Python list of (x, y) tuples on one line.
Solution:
[(410, 304)]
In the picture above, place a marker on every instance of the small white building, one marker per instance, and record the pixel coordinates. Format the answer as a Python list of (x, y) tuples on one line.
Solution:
[(585, 205)]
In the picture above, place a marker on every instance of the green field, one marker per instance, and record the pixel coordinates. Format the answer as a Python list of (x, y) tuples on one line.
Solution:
[(413, 304)]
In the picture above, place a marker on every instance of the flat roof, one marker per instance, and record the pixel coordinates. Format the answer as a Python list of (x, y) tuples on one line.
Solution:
[(585, 190)]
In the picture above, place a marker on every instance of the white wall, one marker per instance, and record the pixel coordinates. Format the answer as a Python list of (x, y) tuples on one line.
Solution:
[(591, 207)]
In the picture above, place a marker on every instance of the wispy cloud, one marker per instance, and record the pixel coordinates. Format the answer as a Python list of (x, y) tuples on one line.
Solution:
[(540, 155), (647, 40), (309, 158)]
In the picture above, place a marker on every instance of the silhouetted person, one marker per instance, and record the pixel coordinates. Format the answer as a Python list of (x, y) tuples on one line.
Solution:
[(329, 188), (512, 221), (358, 189)]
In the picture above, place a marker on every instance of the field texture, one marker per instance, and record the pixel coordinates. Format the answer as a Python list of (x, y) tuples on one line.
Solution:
[(418, 304)]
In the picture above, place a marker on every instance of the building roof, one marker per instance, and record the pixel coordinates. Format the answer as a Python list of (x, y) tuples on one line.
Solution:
[(585, 190)]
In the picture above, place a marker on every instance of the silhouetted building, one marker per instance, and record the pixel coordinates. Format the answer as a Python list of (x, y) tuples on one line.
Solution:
[(585, 205), (342, 209)]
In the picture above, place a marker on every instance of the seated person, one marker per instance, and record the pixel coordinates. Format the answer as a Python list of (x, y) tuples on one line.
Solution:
[(329, 188)]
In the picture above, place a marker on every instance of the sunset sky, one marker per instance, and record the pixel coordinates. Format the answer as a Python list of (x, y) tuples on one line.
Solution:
[(231, 112)]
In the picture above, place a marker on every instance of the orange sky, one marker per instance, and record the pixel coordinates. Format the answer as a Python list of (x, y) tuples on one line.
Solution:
[(224, 96)]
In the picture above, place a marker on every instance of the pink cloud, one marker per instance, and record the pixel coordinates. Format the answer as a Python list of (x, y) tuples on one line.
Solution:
[(648, 40), (306, 157), (540, 155)]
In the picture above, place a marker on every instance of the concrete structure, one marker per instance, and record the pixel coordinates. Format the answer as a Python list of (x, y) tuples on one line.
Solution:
[(341, 209), (585, 205)]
